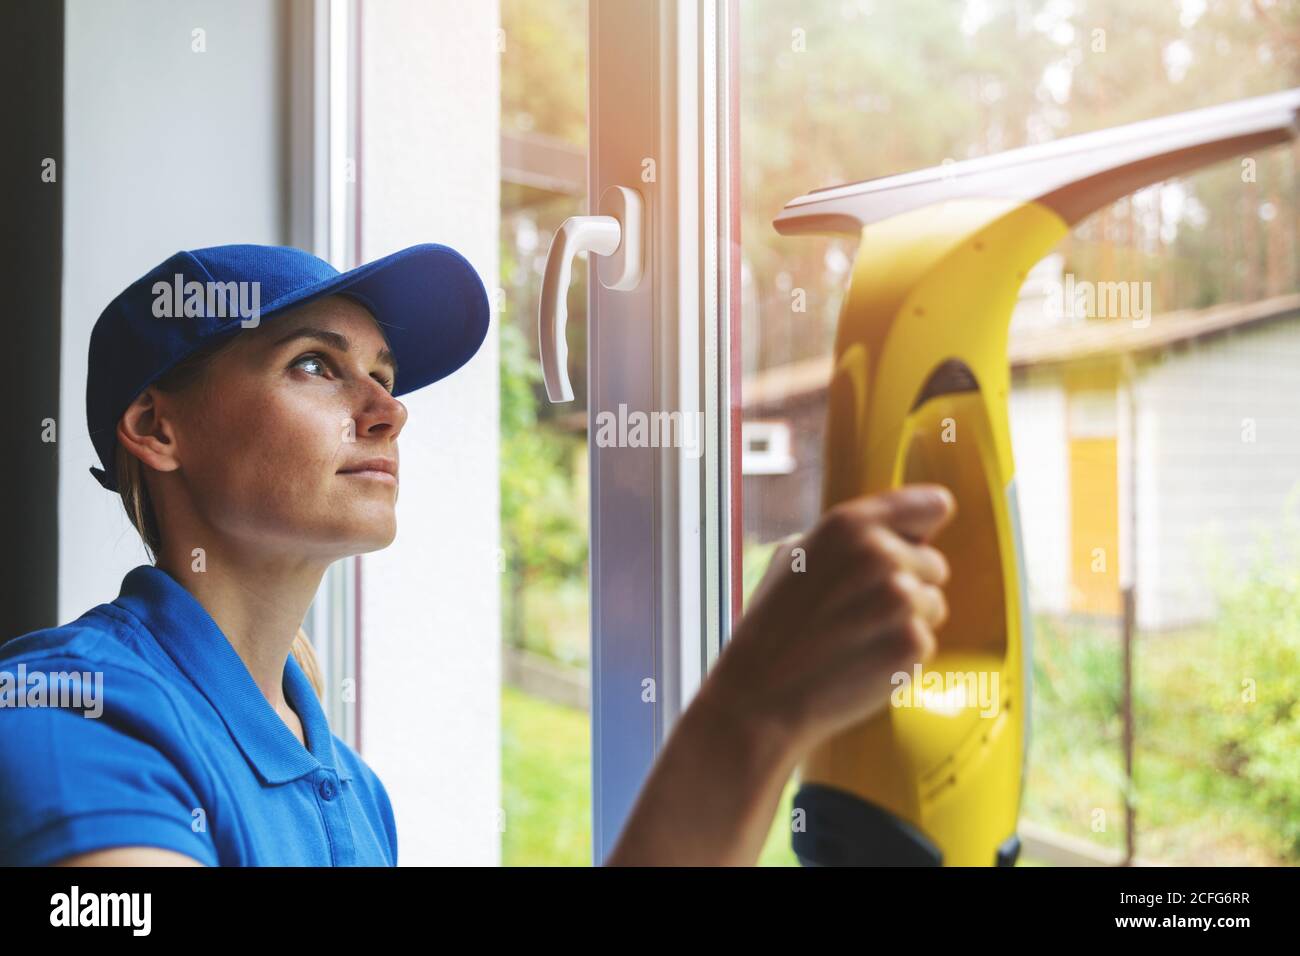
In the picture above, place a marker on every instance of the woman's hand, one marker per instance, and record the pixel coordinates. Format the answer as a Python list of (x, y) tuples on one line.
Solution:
[(838, 613)]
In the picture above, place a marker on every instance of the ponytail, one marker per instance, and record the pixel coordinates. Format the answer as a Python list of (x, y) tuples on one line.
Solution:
[(305, 655)]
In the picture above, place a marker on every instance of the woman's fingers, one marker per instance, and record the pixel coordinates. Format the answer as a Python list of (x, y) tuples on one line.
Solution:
[(916, 512), (923, 600), (901, 598), (860, 570)]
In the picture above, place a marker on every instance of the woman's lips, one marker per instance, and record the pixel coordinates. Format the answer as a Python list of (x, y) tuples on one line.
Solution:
[(382, 476), (375, 469)]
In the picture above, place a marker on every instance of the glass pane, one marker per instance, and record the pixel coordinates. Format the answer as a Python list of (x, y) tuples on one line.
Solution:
[(836, 92), (545, 724)]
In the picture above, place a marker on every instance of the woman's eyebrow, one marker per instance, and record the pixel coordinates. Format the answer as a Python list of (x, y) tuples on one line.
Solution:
[(335, 340)]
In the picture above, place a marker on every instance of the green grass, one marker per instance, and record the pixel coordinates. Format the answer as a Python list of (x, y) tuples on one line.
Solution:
[(545, 781), (546, 787), (1189, 809)]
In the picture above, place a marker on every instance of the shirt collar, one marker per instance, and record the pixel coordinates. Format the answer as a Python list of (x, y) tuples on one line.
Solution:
[(189, 635)]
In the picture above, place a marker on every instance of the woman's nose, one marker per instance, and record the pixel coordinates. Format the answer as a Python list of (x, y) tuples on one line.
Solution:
[(378, 412)]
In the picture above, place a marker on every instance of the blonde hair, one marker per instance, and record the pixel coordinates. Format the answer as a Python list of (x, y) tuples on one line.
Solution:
[(139, 510)]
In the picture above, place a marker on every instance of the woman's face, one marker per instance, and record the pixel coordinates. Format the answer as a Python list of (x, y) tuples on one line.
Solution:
[(271, 439)]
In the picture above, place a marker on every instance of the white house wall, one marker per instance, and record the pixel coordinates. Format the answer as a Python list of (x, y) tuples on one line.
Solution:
[(1205, 490), (1037, 412)]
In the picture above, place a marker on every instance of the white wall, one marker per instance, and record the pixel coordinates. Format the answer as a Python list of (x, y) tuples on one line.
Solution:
[(431, 666), (1038, 441), (166, 149), (1205, 492)]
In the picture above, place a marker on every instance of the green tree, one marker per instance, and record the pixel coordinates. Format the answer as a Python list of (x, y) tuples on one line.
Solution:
[(541, 523)]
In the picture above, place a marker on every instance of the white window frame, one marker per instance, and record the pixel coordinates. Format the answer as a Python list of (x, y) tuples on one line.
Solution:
[(324, 141), (661, 528)]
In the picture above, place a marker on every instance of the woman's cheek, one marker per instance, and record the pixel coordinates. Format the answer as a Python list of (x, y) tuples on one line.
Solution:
[(307, 435)]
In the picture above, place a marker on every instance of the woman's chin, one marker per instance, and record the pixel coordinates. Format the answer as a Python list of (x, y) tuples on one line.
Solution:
[(368, 529), (374, 537)]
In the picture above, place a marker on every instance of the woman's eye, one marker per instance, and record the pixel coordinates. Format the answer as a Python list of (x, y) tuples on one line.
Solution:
[(305, 361), (309, 360)]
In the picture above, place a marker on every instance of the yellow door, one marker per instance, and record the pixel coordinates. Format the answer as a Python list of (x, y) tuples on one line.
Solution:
[(1094, 526)]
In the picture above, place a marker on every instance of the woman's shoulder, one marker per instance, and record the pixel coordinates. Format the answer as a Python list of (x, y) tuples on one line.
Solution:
[(90, 736), (74, 638), (103, 634), (99, 643), (52, 679)]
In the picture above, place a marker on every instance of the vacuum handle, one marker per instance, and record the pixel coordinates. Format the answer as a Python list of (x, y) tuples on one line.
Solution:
[(616, 236), (1073, 176)]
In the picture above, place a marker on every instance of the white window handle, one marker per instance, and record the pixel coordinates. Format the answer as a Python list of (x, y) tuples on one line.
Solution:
[(617, 236)]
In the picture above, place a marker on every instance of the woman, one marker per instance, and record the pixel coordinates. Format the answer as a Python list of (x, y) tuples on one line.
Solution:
[(254, 446)]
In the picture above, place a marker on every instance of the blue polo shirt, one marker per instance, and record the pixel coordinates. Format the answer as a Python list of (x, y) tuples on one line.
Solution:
[(138, 724)]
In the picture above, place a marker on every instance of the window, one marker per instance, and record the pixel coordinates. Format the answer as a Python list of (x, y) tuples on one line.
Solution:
[(1148, 457), (767, 448)]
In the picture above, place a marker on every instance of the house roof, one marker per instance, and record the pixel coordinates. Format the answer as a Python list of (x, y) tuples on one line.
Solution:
[(1038, 347), (1117, 337)]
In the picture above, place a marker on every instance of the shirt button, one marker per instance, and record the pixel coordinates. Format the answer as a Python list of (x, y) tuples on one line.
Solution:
[(327, 789)]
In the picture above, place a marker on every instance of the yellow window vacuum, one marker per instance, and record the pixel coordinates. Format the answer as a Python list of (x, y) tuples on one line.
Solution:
[(919, 392)]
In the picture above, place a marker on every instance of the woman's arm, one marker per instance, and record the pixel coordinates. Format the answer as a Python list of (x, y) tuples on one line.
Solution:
[(129, 856), (712, 792), (814, 654)]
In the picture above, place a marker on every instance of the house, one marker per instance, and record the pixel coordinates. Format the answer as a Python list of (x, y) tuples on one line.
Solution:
[(1184, 426)]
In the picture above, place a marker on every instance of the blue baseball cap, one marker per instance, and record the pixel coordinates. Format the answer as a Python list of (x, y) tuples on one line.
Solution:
[(427, 299)]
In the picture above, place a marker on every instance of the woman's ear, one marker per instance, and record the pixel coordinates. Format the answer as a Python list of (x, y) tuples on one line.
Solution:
[(147, 431)]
